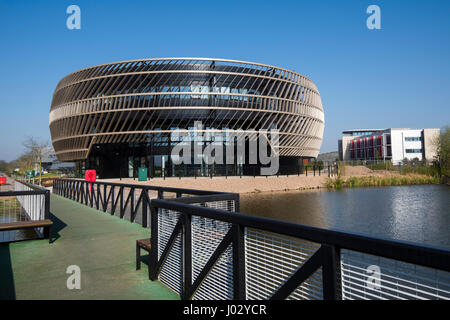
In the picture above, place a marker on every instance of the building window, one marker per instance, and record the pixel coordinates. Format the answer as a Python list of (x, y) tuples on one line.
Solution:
[(412, 138), (413, 150)]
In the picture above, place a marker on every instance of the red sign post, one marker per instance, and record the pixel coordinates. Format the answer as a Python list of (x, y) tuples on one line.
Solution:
[(90, 175)]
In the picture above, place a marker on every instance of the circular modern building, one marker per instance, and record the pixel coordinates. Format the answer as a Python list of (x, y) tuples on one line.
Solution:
[(118, 117)]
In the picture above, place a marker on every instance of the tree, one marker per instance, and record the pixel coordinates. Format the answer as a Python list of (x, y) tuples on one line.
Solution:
[(415, 162), (24, 162), (36, 151), (3, 166), (442, 144)]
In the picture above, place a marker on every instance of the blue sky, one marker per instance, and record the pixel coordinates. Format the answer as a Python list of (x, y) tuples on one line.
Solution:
[(394, 77)]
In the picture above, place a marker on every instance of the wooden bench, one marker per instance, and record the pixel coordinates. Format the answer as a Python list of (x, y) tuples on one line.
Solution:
[(47, 223), (142, 244)]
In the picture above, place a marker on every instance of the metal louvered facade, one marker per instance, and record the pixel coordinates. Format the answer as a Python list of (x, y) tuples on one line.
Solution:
[(140, 102)]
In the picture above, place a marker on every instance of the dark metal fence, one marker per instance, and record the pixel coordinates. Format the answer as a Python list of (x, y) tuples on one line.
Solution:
[(127, 201), (271, 259), (203, 248)]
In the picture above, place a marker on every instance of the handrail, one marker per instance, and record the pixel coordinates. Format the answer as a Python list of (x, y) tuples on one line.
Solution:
[(422, 254), (147, 187), (184, 245), (33, 186), (21, 193), (95, 194)]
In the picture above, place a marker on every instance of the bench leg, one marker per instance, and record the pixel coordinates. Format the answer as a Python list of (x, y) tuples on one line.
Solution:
[(149, 278), (138, 257), (45, 231), (50, 234)]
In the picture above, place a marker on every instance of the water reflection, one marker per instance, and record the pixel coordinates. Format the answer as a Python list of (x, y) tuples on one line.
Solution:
[(413, 213)]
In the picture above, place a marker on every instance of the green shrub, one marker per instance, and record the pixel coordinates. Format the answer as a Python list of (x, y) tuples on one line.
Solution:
[(373, 181)]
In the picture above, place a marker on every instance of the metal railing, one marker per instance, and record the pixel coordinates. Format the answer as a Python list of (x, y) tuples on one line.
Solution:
[(264, 258), (203, 248), (127, 201), (27, 202)]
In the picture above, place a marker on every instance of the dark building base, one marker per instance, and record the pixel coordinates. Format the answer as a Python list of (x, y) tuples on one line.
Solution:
[(124, 161)]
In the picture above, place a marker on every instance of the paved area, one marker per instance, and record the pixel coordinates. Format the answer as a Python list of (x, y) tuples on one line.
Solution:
[(237, 184), (101, 245)]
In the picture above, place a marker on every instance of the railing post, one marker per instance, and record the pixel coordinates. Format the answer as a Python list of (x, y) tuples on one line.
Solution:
[(105, 198), (132, 201), (91, 195), (331, 273), (187, 241), (238, 262), (98, 197), (144, 195), (153, 260), (47, 213), (113, 200), (86, 193), (122, 209)]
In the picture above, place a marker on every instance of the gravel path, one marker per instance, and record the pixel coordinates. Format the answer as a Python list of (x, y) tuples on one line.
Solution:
[(236, 184)]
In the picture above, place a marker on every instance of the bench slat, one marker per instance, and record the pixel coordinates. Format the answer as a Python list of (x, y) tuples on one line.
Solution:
[(25, 224), (145, 244)]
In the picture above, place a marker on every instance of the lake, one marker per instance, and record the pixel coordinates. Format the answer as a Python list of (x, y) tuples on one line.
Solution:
[(419, 213)]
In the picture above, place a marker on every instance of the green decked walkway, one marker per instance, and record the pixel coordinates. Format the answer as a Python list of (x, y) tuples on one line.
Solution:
[(101, 245)]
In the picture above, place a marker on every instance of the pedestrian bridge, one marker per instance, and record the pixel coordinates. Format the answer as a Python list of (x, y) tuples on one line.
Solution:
[(101, 245), (203, 248)]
